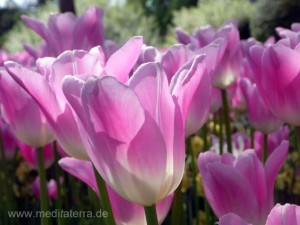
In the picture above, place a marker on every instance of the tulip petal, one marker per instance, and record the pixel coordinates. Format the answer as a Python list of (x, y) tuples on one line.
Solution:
[(232, 219), (122, 61)]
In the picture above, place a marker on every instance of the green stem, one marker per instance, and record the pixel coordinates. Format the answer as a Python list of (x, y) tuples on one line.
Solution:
[(207, 211), (57, 178), (151, 216), (252, 137), (297, 131), (227, 120), (43, 187), (177, 207), (265, 153), (205, 133), (221, 132), (8, 195), (104, 198), (194, 173)]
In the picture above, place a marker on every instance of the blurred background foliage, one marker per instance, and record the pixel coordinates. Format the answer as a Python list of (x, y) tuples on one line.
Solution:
[(156, 20)]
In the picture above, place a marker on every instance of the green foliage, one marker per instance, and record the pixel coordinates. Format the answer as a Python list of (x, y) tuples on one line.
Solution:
[(214, 12), (273, 13), (120, 23)]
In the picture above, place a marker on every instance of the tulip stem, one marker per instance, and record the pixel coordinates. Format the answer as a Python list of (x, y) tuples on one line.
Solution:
[(104, 198), (252, 137), (57, 178), (194, 173), (177, 207), (7, 195), (151, 216), (43, 187), (227, 121), (221, 132), (265, 153), (205, 139), (207, 212), (297, 131)]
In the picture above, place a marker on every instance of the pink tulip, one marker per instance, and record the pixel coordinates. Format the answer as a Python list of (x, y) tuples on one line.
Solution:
[(240, 142), (30, 154), (260, 117), (231, 182), (45, 86), (280, 215), (51, 187), (274, 139), (9, 141), (125, 212), (278, 80), (148, 136), (65, 31), (230, 59), (22, 114)]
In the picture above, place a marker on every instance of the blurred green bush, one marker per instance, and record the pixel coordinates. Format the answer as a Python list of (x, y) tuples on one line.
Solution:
[(270, 14), (214, 12)]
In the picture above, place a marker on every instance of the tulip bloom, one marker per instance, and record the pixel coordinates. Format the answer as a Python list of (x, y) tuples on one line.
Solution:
[(51, 188), (30, 154), (125, 212), (230, 59), (45, 87), (231, 182), (9, 141), (260, 117), (274, 139), (280, 215), (23, 115), (65, 31), (278, 80), (138, 150)]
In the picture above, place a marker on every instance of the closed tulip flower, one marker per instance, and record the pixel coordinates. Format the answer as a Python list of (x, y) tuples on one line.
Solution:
[(231, 182), (66, 31), (278, 78), (260, 117), (280, 215), (22, 113)]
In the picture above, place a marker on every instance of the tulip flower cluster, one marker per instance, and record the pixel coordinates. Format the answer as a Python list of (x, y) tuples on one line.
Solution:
[(123, 119)]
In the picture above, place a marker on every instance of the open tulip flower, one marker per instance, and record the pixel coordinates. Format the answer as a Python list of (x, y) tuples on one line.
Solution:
[(134, 132), (125, 212), (241, 185), (280, 215), (65, 31), (22, 113), (45, 85)]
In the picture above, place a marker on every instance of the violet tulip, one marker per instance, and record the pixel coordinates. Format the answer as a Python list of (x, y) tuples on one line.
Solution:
[(280, 215), (10, 142), (65, 31), (138, 150), (51, 188), (45, 87), (22, 113), (260, 117), (231, 182), (230, 59), (125, 212), (274, 139), (278, 80), (30, 154)]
